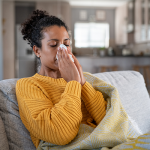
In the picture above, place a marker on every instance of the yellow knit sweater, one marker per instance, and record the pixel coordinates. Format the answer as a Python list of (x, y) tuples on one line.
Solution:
[(52, 109)]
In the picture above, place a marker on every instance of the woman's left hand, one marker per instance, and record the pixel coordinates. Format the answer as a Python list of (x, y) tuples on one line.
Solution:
[(79, 67)]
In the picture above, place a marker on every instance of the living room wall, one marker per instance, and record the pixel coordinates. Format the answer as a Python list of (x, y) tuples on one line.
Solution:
[(8, 40), (1, 47), (60, 9)]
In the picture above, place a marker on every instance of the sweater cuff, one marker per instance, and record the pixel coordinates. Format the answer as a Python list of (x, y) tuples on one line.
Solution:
[(73, 88), (88, 92)]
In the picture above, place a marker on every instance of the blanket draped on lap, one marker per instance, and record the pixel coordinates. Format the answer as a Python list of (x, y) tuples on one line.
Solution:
[(114, 129)]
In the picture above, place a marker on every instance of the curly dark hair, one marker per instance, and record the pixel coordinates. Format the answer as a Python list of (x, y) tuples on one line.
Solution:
[(32, 28)]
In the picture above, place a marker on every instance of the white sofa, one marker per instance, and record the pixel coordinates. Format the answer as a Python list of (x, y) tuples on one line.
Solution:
[(133, 94)]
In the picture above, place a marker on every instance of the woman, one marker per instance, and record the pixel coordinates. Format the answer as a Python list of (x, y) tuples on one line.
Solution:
[(56, 100)]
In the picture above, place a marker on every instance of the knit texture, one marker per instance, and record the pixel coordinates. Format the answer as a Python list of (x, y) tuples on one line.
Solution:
[(52, 109)]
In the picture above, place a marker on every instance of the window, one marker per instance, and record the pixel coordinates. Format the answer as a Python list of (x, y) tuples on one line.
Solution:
[(91, 35)]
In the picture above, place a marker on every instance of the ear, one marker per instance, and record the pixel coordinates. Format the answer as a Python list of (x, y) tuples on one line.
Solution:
[(37, 51)]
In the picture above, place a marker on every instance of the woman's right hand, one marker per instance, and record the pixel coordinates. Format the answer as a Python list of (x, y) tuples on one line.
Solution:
[(67, 68)]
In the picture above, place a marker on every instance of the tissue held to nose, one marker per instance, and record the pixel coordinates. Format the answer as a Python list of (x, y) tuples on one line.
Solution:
[(63, 46)]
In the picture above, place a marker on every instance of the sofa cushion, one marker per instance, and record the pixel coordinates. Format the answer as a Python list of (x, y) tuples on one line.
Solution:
[(133, 94), (17, 135)]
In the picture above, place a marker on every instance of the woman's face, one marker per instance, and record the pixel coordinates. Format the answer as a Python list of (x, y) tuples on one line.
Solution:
[(53, 37)]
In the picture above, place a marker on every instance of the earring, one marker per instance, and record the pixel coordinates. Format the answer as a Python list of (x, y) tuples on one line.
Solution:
[(38, 56)]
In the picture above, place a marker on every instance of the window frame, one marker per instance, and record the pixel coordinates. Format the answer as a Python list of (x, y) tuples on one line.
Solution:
[(106, 41)]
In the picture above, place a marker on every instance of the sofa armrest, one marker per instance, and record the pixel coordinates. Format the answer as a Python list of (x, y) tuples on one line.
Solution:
[(17, 135), (3, 138), (133, 95)]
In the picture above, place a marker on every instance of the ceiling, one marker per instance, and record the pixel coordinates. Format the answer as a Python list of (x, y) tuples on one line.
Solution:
[(94, 3), (99, 3)]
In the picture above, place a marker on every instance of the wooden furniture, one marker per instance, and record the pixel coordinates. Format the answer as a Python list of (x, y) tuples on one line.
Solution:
[(108, 68), (133, 22), (145, 70), (130, 18), (142, 21)]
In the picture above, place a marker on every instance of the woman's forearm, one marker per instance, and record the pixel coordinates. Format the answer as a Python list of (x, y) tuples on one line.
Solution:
[(94, 102)]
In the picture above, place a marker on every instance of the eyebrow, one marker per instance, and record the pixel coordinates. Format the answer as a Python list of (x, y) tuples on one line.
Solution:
[(58, 40)]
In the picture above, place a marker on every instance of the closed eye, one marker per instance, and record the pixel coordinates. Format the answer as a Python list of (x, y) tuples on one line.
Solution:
[(53, 45), (56, 45)]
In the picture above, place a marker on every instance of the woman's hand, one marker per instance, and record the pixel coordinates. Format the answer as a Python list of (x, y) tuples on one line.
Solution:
[(79, 67), (67, 68)]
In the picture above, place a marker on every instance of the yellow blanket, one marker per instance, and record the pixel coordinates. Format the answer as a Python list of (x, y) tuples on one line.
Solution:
[(114, 129)]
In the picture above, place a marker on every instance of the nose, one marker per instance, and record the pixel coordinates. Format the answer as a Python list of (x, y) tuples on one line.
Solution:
[(61, 42)]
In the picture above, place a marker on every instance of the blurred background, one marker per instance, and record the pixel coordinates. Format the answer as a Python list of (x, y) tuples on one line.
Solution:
[(107, 35)]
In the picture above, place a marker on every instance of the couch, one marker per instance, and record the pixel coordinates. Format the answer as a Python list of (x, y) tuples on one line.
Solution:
[(133, 94)]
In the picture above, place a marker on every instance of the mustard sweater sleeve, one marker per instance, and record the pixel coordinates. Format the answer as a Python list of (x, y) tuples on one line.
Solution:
[(57, 124), (94, 102)]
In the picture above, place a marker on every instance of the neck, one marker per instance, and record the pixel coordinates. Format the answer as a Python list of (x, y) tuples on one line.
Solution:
[(50, 73)]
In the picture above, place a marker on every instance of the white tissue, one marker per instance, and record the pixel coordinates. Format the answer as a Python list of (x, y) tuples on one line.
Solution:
[(63, 46)]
